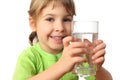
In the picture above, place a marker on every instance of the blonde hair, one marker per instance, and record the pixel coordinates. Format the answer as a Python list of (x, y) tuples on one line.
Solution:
[(37, 6)]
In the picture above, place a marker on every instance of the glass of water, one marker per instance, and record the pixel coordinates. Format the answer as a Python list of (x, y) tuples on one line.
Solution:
[(86, 31)]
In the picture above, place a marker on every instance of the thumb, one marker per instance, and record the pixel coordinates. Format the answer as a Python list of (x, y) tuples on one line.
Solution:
[(67, 40)]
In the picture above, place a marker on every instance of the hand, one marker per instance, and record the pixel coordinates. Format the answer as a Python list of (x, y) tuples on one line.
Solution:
[(98, 57), (72, 53)]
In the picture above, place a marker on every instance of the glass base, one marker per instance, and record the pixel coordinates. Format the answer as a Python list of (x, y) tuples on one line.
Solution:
[(81, 78), (84, 72)]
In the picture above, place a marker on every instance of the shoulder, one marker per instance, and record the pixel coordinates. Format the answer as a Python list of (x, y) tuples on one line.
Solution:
[(31, 50), (29, 62), (30, 53)]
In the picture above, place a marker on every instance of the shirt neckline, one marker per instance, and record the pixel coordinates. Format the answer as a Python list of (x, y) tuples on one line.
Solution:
[(47, 55)]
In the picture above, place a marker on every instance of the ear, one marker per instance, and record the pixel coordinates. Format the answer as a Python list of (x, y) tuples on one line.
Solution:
[(32, 24)]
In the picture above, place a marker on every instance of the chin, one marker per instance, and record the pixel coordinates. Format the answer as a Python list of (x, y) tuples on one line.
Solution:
[(58, 47)]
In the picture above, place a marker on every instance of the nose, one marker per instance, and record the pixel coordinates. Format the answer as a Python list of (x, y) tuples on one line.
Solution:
[(59, 27)]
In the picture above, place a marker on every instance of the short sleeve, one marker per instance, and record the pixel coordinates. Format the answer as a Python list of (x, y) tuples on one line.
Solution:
[(25, 67)]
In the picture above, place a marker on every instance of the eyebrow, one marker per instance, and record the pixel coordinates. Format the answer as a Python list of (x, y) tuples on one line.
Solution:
[(49, 14), (55, 15)]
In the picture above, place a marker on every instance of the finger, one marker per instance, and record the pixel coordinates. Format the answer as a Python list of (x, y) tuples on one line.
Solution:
[(79, 59), (87, 43), (77, 44), (78, 51), (76, 39), (99, 41), (99, 47), (99, 61), (67, 40), (100, 53)]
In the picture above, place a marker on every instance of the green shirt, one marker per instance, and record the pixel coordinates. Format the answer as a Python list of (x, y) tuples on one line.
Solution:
[(34, 60)]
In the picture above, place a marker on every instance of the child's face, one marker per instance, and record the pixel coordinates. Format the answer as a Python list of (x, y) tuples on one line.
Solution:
[(53, 24)]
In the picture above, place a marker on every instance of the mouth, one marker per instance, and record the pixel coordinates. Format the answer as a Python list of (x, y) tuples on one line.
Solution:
[(57, 39)]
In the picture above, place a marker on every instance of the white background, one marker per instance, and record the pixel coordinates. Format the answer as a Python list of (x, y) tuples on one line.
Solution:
[(14, 31)]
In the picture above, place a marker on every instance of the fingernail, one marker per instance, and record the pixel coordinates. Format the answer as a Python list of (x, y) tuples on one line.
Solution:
[(70, 42)]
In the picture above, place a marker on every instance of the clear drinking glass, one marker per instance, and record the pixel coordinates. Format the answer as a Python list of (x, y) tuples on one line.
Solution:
[(86, 30)]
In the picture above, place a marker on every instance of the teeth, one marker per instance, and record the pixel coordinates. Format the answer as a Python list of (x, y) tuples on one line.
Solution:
[(57, 37)]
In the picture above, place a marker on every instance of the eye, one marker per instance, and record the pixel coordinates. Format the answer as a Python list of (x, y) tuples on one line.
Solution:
[(67, 20), (50, 19)]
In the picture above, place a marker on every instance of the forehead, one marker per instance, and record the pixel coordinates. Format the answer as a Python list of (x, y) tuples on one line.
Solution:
[(56, 7), (55, 4)]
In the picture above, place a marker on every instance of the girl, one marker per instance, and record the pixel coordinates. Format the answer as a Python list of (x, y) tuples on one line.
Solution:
[(51, 57)]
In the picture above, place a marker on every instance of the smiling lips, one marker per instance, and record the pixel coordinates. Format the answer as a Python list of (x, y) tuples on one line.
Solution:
[(57, 39)]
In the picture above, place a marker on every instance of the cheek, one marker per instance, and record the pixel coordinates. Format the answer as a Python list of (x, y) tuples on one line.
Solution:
[(44, 31), (43, 27), (69, 30)]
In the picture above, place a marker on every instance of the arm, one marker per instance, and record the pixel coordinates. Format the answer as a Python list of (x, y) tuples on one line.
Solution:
[(65, 64), (103, 74), (55, 72)]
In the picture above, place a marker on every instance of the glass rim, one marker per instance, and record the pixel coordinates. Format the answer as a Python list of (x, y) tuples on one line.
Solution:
[(88, 26)]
